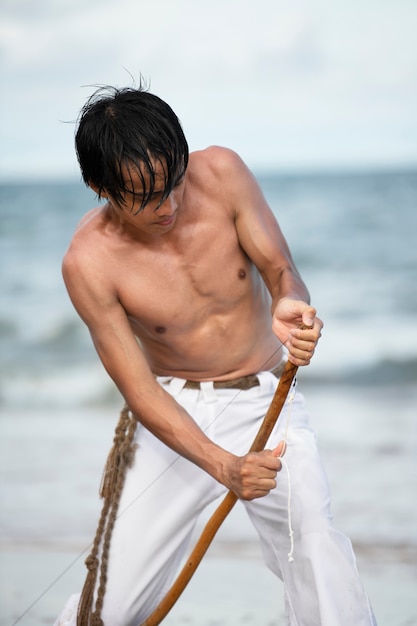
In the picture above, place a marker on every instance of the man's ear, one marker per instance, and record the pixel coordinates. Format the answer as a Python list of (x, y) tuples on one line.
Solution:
[(101, 194)]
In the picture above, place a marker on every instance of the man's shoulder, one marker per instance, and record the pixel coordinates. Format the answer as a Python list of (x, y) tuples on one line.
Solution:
[(85, 238), (220, 170), (90, 221), (215, 158)]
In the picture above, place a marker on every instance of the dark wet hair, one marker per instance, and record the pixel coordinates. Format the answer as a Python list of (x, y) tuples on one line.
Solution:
[(129, 130)]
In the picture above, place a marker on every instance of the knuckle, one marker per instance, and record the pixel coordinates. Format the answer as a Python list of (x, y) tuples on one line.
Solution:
[(244, 473)]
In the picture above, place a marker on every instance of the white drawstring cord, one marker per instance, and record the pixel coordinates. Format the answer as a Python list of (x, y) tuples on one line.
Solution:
[(290, 530), (290, 399)]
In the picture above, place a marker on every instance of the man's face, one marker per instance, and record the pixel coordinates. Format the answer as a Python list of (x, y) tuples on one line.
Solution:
[(158, 214)]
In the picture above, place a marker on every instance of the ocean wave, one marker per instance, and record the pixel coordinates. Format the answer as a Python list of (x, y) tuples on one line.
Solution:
[(87, 384), (383, 373), (356, 254), (62, 386)]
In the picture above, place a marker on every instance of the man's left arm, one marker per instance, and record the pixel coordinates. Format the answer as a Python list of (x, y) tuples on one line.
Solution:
[(263, 241)]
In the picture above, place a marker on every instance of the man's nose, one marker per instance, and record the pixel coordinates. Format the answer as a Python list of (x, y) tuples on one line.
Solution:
[(168, 206)]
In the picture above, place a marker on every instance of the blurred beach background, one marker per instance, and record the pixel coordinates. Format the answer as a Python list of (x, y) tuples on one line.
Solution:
[(320, 101)]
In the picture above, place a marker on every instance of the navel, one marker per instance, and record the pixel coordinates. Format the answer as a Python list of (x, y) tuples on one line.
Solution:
[(160, 330), (241, 273)]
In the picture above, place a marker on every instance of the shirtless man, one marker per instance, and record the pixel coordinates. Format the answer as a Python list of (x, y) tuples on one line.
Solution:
[(186, 283)]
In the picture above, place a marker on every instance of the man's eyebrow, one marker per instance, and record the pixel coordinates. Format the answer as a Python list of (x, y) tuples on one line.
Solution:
[(146, 195), (141, 194)]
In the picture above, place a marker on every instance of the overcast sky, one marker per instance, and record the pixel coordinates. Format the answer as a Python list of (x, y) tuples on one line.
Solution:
[(286, 83)]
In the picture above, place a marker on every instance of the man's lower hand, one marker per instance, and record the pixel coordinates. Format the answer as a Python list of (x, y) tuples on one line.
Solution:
[(254, 475)]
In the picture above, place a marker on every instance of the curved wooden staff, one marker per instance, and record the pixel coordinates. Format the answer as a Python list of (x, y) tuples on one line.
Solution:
[(226, 505)]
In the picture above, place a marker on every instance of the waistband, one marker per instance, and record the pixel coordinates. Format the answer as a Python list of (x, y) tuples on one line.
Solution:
[(243, 382)]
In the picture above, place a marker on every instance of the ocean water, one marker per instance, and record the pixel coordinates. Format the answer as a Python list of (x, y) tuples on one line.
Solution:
[(353, 237)]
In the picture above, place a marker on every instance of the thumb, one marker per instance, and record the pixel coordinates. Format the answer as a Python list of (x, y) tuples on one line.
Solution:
[(308, 316), (280, 449)]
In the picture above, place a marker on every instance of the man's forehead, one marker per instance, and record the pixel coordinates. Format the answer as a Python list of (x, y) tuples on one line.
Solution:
[(139, 177)]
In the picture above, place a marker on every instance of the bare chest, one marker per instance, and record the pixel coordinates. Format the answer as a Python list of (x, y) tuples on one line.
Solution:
[(179, 289)]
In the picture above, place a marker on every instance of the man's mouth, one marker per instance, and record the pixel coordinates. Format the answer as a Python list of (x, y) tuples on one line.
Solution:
[(166, 221)]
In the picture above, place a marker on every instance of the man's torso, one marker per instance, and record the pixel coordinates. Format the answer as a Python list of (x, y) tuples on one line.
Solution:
[(193, 298)]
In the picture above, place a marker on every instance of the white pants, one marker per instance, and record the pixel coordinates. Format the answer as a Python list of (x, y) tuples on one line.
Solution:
[(164, 495)]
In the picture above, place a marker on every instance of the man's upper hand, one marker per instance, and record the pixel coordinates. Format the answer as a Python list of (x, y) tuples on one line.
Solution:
[(288, 317)]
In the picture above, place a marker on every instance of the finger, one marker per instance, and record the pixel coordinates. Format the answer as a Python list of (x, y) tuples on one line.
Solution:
[(301, 345), (269, 461), (280, 449), (299, 357), (307, 335), (308, 316), (261, 490), (272, 458)]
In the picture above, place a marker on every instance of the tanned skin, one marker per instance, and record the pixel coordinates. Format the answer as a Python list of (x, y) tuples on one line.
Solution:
[(202, 287)]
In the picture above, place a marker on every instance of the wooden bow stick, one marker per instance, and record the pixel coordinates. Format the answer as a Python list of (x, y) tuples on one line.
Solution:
[(226, 505)]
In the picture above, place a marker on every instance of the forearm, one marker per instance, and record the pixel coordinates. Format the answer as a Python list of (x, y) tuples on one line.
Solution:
[(154, 407), (171, 424), (288, 284), (250, 476)]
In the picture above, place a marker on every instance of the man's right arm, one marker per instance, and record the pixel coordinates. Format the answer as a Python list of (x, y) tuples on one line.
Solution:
[(97, 304)]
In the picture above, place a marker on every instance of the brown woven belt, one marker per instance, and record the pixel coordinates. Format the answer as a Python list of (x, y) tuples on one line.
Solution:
[(243, 383)]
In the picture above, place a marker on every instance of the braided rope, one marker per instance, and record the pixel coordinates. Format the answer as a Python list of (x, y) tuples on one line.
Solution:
[(119, 460)]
